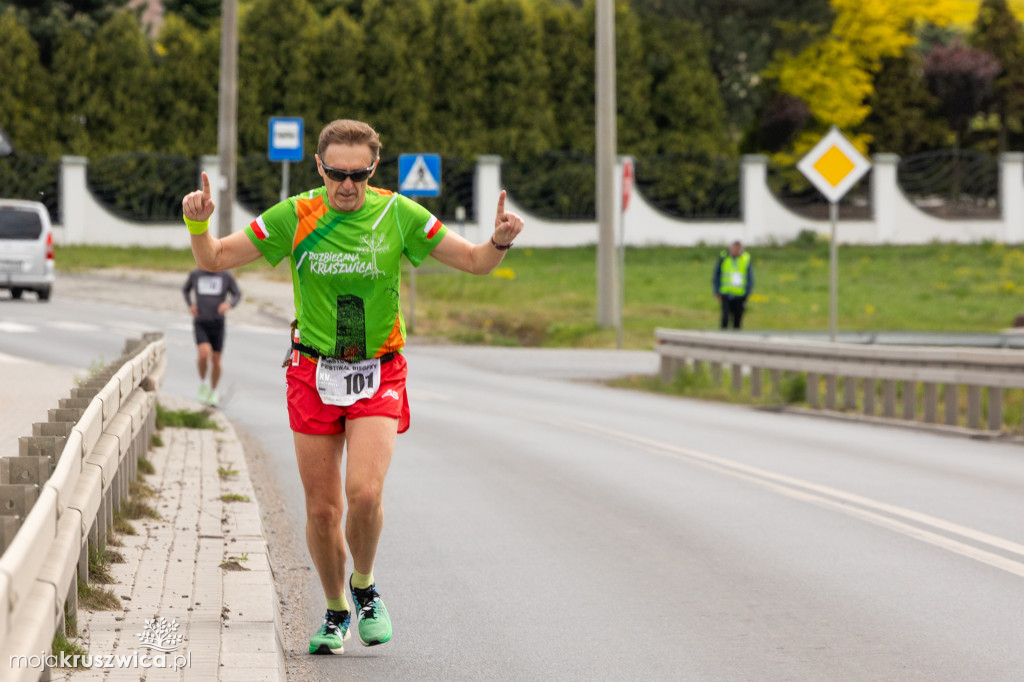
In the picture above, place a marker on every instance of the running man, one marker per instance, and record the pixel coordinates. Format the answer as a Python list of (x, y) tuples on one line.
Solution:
[(208, 313), (344, 242)]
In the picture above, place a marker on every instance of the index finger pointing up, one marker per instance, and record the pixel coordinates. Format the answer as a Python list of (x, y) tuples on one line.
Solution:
[(206, 186), (501, 203)]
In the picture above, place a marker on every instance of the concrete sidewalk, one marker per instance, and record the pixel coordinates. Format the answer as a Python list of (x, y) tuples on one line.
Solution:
[(203, 565)]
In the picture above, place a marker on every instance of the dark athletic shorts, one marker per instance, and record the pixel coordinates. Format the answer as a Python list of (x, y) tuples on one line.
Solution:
[(307, 413), (211, 332)]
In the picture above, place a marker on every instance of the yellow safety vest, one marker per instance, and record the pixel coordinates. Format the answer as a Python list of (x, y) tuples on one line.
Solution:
[(734, 274)]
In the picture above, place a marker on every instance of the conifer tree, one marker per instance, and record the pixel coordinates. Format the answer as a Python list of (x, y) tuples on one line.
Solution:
[(185, 90), (905, 117), (270, 56), (999, 32), (119, 111), (516, 108), (567, 39), (72, 73), (454, 66), (398, 88), (26, 95), (320, 94)]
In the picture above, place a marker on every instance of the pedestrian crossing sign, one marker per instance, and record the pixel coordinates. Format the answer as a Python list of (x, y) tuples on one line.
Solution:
[(834, 165), (419, 175)]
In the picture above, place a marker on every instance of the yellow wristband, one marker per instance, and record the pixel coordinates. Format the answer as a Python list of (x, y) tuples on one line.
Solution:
[(197, 227)]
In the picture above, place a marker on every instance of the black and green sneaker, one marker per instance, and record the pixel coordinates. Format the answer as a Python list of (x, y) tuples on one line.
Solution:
[(330, 639), (374, 621)]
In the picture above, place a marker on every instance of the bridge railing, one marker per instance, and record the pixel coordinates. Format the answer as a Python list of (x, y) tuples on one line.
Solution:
[(950, 386)]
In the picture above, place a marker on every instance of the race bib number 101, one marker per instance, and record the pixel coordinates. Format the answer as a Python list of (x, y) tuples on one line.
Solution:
[(343, 383)]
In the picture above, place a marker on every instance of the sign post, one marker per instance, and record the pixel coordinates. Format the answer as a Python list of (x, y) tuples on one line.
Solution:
[(285, 145), (833, 166), (419, 175), (627, 189), (6, 149)]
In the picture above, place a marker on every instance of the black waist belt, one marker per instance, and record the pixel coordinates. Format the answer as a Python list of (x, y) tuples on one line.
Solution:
[(314, 353)]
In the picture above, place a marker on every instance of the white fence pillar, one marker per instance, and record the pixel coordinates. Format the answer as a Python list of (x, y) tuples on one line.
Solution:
[(754, 197), (1011, 195), (73, 198), (211, 165), (486, 189), (885, 191)]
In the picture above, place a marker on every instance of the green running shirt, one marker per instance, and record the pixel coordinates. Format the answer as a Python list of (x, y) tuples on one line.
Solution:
[(346, 267)]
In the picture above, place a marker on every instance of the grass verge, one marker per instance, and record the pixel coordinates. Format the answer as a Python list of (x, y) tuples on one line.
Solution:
[(145, 467), (62, 645), (548, 297), (189, 419), (97, 598)]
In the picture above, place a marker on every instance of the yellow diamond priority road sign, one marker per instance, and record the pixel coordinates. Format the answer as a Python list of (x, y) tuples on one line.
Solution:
[(834, 165)]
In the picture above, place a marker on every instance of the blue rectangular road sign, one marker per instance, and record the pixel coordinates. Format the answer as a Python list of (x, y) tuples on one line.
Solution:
[(419, 175), (285, 139)]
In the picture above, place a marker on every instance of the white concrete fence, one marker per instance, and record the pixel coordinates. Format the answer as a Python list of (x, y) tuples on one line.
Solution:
[(68, 513), (765, 219)]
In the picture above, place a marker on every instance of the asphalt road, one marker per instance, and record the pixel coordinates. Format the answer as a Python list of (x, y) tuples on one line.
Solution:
[(544, 528)]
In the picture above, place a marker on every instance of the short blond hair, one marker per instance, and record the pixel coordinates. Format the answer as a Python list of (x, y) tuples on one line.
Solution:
[(347, 131)]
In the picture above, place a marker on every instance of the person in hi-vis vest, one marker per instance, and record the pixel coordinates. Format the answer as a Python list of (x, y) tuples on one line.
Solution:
[(732, 283)]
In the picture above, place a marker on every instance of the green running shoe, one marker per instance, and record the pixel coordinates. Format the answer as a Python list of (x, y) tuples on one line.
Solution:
[(330, 639), (374, 621)]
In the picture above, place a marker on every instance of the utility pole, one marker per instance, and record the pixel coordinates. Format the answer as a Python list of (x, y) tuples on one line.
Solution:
[(227, 118), (608, 309)]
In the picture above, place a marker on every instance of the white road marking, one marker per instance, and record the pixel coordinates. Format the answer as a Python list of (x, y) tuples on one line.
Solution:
[(17, 328), (418, 394), (74, 326), (135, 327), (857, 506), (258, 329)]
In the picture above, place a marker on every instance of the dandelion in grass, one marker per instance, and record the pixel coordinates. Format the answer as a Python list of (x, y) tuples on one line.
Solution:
[(758, 298), (962, 271), (787, 277), (1009, 287), (869, 309), (504, 273), (815, 262), (1013, 259), (941, 286)]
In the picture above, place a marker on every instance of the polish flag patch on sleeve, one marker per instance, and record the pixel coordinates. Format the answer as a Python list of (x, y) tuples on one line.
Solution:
[(259, 228), (432, 226)]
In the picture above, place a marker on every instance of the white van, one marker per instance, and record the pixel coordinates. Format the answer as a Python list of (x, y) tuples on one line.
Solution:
[(26, 248)]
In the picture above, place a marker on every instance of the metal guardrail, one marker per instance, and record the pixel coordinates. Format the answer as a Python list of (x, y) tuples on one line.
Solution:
[(1013, 339), (58, 497), (966, 377)]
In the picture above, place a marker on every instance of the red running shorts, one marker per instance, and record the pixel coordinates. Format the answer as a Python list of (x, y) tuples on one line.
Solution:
[(308, 414)]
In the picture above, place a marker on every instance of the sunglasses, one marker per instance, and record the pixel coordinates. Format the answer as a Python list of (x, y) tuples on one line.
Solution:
[(339, 175)]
